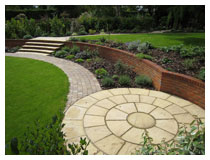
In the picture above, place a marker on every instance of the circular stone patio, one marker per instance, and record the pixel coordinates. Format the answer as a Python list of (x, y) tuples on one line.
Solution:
[(114, 120)]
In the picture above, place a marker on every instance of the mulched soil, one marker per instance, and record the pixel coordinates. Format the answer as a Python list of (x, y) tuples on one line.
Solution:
[(109, 66), (175, 64)]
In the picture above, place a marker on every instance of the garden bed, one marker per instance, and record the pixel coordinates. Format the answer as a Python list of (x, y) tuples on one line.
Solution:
[(167, 57)]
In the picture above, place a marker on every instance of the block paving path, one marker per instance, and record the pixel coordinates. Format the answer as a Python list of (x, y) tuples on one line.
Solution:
[(114, 120), (82, 81)]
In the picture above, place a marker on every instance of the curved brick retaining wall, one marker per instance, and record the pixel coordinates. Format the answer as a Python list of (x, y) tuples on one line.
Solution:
[(181, 85)]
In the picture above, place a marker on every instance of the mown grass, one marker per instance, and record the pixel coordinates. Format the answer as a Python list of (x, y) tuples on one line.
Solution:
[(157, 39), (34, 90)]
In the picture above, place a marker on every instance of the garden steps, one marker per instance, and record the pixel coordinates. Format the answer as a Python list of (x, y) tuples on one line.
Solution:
[(35, 50), (41, 46)]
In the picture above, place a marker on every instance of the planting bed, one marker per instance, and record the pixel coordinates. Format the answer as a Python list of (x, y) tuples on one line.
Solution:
[(170, 60)]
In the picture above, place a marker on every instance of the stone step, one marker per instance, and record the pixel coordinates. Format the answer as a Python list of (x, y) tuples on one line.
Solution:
[(40, 47), (35, 50), (44, 44)]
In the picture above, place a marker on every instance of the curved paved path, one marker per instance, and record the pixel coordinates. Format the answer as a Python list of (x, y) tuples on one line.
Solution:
[(82, 81), (114, 120)]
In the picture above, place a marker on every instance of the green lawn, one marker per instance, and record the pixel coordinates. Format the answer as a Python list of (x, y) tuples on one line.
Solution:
[(34, 90), (158, 40)]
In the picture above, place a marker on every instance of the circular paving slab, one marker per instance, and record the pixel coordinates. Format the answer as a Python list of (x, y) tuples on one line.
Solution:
[(114, 120)]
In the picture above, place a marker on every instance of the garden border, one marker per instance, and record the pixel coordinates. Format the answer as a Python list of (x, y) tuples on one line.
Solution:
[(177, 84)]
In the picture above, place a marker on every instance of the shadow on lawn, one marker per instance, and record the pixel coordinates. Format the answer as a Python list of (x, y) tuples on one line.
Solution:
[(191, 41)]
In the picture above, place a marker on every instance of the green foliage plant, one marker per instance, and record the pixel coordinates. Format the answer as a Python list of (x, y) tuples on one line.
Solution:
[(28, 36), (189, 63), (92, 31), (60, 53), (144, 56), (107, 82), (122, 68), (80, 60), (143, 80), (70, 57), (201, 74), (188, 142), (73, 39), (101, 72), (74, 50), (115, 77), (124, 80)]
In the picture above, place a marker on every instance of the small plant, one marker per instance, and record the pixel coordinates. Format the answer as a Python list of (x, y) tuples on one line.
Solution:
[(189, 63), (144, 47), (66, 48), (73, 39), (74, 50), (79, 60), (28, 36), (115, 77), (132, 45), (60, 53), (82, 33), (122, 68), (74, 34), (68, 33), (102, 39), (170, 69), (47, 140), (144, 56), (201, 74), (98, 60), (187, 142), (92, 31), (99, 43), (13, 49), (107, 82), (70, 57), (143, 80), (88, 60), (124, 80), (166, 60), (101, 72)]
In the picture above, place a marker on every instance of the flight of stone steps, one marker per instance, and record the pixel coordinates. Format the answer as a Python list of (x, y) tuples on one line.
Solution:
[(41, 46)]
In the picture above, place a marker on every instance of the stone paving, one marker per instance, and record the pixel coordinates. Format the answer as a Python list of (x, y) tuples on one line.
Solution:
[(114, 120), (82, 81)]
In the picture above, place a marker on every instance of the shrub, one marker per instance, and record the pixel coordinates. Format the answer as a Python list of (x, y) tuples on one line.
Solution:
[(74, 34), (124, 80), (47, 140), (74, 50), (73, 39), (82, 33), (28, 36), (83, 55), (13, 49), (99, 43), (187, 142), (189, 63), (143, 80), (88, 60), (132, 45), (66, 48), (107, 82), (70, 57), (57, 26), (98, 60), (115, 77), (102, 39), (60, 54), (144, 47), (79, 60), (166, 60), (144, 56), (101, 72), (92, 31), (201, 74), (122, 68), (68, 33)]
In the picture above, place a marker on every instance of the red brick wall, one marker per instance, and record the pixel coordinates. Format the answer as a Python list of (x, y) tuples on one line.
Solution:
[(13, 42), (181, 85)]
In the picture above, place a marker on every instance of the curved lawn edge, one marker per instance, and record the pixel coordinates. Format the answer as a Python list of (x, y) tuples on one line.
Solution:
[(34, 89), (178, 84), (181, 85)]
